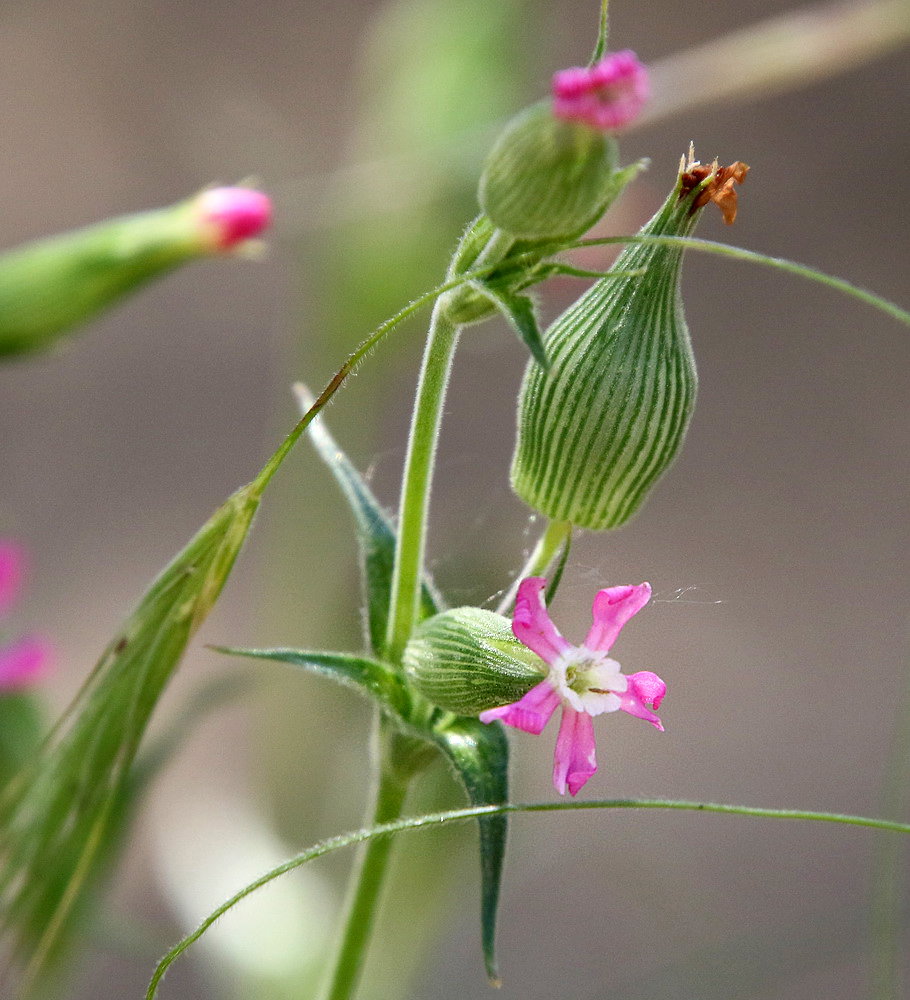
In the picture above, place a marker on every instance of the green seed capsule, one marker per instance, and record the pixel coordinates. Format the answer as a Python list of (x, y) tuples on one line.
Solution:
[(546, 177), (597, 430), (467, 660)]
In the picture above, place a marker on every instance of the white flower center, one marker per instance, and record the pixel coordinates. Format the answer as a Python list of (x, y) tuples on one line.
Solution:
[(588, 680)]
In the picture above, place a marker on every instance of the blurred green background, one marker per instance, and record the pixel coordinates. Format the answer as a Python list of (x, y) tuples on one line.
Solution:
[(777, 546)]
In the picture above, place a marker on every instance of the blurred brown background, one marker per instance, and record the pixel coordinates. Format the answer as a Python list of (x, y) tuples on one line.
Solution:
[(777, 546)]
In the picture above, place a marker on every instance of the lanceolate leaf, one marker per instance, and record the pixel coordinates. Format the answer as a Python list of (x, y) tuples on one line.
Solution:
[(519, 311), (480, 755), (375, 535), (59, 814), (370, 677)]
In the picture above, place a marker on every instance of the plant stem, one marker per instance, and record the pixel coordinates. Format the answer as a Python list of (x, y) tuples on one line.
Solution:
[(555, 534), (367, 882), (888, 861), (418, 472)]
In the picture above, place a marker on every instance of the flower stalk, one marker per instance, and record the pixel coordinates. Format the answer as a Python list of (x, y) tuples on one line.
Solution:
[(418, 473), (368, 877)]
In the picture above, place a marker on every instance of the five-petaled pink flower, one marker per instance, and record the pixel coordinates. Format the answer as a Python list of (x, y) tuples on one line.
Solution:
[(606, 96), (582, 678), (25, 661)]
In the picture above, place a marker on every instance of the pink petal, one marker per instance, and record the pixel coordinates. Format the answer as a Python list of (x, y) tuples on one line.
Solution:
[(24, 663), (645, 688), (574, 760), (531, 624), (12, 569), (613, 607), (234, 214), (530, 713), (606, 96)]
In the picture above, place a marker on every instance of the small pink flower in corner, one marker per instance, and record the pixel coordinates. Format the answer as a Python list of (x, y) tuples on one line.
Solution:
[(12, 562), (23, 662), (581, 678), (606, 96)]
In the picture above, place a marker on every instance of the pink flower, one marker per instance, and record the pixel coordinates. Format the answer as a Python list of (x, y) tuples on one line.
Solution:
[(233, 215), (25, 661), (12, 562), (581, 678), (606, 96)]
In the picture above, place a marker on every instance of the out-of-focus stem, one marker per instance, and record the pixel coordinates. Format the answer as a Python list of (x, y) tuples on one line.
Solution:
[(887, 878), (779, 54)]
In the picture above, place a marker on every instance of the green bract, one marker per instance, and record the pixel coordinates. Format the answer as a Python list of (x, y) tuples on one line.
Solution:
[(467, 660), (598, 429), (547, 178)]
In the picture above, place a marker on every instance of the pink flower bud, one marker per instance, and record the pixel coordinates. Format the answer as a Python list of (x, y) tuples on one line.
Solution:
[(606, 96), (232, 215)]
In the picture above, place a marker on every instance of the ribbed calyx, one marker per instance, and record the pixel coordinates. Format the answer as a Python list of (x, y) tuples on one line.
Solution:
[(546, 177), (597, 431), (466, 660)]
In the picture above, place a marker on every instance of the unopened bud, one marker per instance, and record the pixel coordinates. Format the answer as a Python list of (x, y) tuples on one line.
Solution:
[(546, 177), (607, 96), (598, 429), (553, 171), (467, 660), (53, 284), (229, 216)]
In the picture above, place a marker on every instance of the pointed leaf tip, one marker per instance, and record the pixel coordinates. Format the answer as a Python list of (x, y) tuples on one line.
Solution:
[(480, 756)]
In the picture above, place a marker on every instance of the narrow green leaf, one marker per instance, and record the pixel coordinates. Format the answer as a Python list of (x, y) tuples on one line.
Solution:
[(480, 755), (59, 813), (519, 311), (841, 285), (22, 728), (369, 677), (375, 535), (434, 820)]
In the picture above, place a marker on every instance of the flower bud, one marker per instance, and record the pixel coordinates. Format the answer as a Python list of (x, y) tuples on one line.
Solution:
[(553, 171), (53, 284), (598, 429), (467, 660), (546, 177)]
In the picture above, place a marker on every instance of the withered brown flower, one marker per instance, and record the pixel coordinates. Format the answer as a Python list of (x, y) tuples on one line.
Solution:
[(720, 187)]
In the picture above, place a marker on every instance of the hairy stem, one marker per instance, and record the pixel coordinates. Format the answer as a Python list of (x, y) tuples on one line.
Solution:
[(555, 535), (418, 473), (366, 884)]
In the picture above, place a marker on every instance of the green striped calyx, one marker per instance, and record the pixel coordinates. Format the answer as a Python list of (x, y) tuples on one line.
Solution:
[(467, 660), (599, 428), (547, 178)]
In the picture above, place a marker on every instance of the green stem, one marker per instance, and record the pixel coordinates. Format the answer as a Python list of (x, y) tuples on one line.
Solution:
[(366, 885), (600, 50), (887, 861), (418, 472), (556, 534), (434, 820)]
